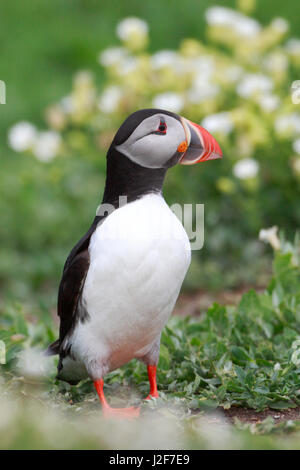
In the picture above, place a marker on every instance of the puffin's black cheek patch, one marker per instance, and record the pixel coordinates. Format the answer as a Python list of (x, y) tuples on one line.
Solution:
[(173, 160)]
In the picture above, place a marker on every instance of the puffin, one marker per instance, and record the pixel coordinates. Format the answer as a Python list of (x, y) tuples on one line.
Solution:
[(121, 280)]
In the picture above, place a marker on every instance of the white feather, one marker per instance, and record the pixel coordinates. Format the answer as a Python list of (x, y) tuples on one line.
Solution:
[(139, 257)]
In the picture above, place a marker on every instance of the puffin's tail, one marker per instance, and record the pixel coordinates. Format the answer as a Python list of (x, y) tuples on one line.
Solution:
[(52, 349)]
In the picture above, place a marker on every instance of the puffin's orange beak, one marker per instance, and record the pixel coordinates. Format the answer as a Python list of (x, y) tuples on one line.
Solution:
[(199, 146)]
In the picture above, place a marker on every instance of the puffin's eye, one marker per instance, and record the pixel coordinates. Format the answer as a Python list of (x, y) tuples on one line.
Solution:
[(162, 128)]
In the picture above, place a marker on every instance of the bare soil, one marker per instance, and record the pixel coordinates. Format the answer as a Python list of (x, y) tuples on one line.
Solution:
[(194, 303), (247, 415)]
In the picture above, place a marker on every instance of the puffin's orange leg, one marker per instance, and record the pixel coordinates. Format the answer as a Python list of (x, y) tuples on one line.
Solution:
[(108, 411), (152, 380)]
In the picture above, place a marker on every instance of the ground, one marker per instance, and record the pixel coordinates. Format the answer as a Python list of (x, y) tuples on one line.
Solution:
[(247, 415)]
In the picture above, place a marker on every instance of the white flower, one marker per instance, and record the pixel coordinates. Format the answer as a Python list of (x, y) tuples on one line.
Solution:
[(296, 146), (227, 367), (269, 235), (233, 73), (110, 98), (168, 59), (247, 27), (277, 366), (112, 56), (47, 145), (83, 78), (280, 24), (56, 117), (293, 46), (220, 15), (296, 344), (246, 168), (225, 17), (67, 104), (253, 83), (118, 57), (288, 124), (22, 136), (127, 65), (169, 101), (276, 62), (202, 90), (164, 58), (131, 26), (203, 66), (269, 102), (220, 122), (296, 165), (295, 359)]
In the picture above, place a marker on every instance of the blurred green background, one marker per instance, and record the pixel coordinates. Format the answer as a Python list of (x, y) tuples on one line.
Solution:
[(46, 207)]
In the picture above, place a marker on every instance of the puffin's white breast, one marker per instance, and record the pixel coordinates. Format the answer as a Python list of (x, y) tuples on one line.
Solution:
[(139, 257)]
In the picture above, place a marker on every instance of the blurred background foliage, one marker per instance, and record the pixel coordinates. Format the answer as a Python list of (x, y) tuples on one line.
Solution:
[(67, 69)]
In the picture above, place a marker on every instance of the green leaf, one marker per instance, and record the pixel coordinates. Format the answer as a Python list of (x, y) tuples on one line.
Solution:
[(250, 303), (239, 355), (281, 405)]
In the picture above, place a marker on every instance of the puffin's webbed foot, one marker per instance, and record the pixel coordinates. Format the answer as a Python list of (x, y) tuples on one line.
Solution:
[(126, 413), (109, 412), (131, 412)]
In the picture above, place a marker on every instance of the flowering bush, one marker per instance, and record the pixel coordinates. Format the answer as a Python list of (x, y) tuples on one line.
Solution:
[(237, 84)]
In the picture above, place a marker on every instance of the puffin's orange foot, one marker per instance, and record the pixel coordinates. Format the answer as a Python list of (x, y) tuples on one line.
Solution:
[(108, 411), (121, 413), (152, 380)]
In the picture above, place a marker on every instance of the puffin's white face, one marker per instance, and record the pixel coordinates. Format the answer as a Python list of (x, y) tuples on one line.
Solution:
[(155, 138), (154, 141)]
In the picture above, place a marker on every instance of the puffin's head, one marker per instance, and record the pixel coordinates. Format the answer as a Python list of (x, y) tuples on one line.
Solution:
[(154, 138)]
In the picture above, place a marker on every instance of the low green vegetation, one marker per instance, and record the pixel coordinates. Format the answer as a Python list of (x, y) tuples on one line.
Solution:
[(232, 356)]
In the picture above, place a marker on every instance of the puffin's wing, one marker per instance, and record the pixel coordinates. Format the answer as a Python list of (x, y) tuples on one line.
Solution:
[(71, 285), (70, 289)]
